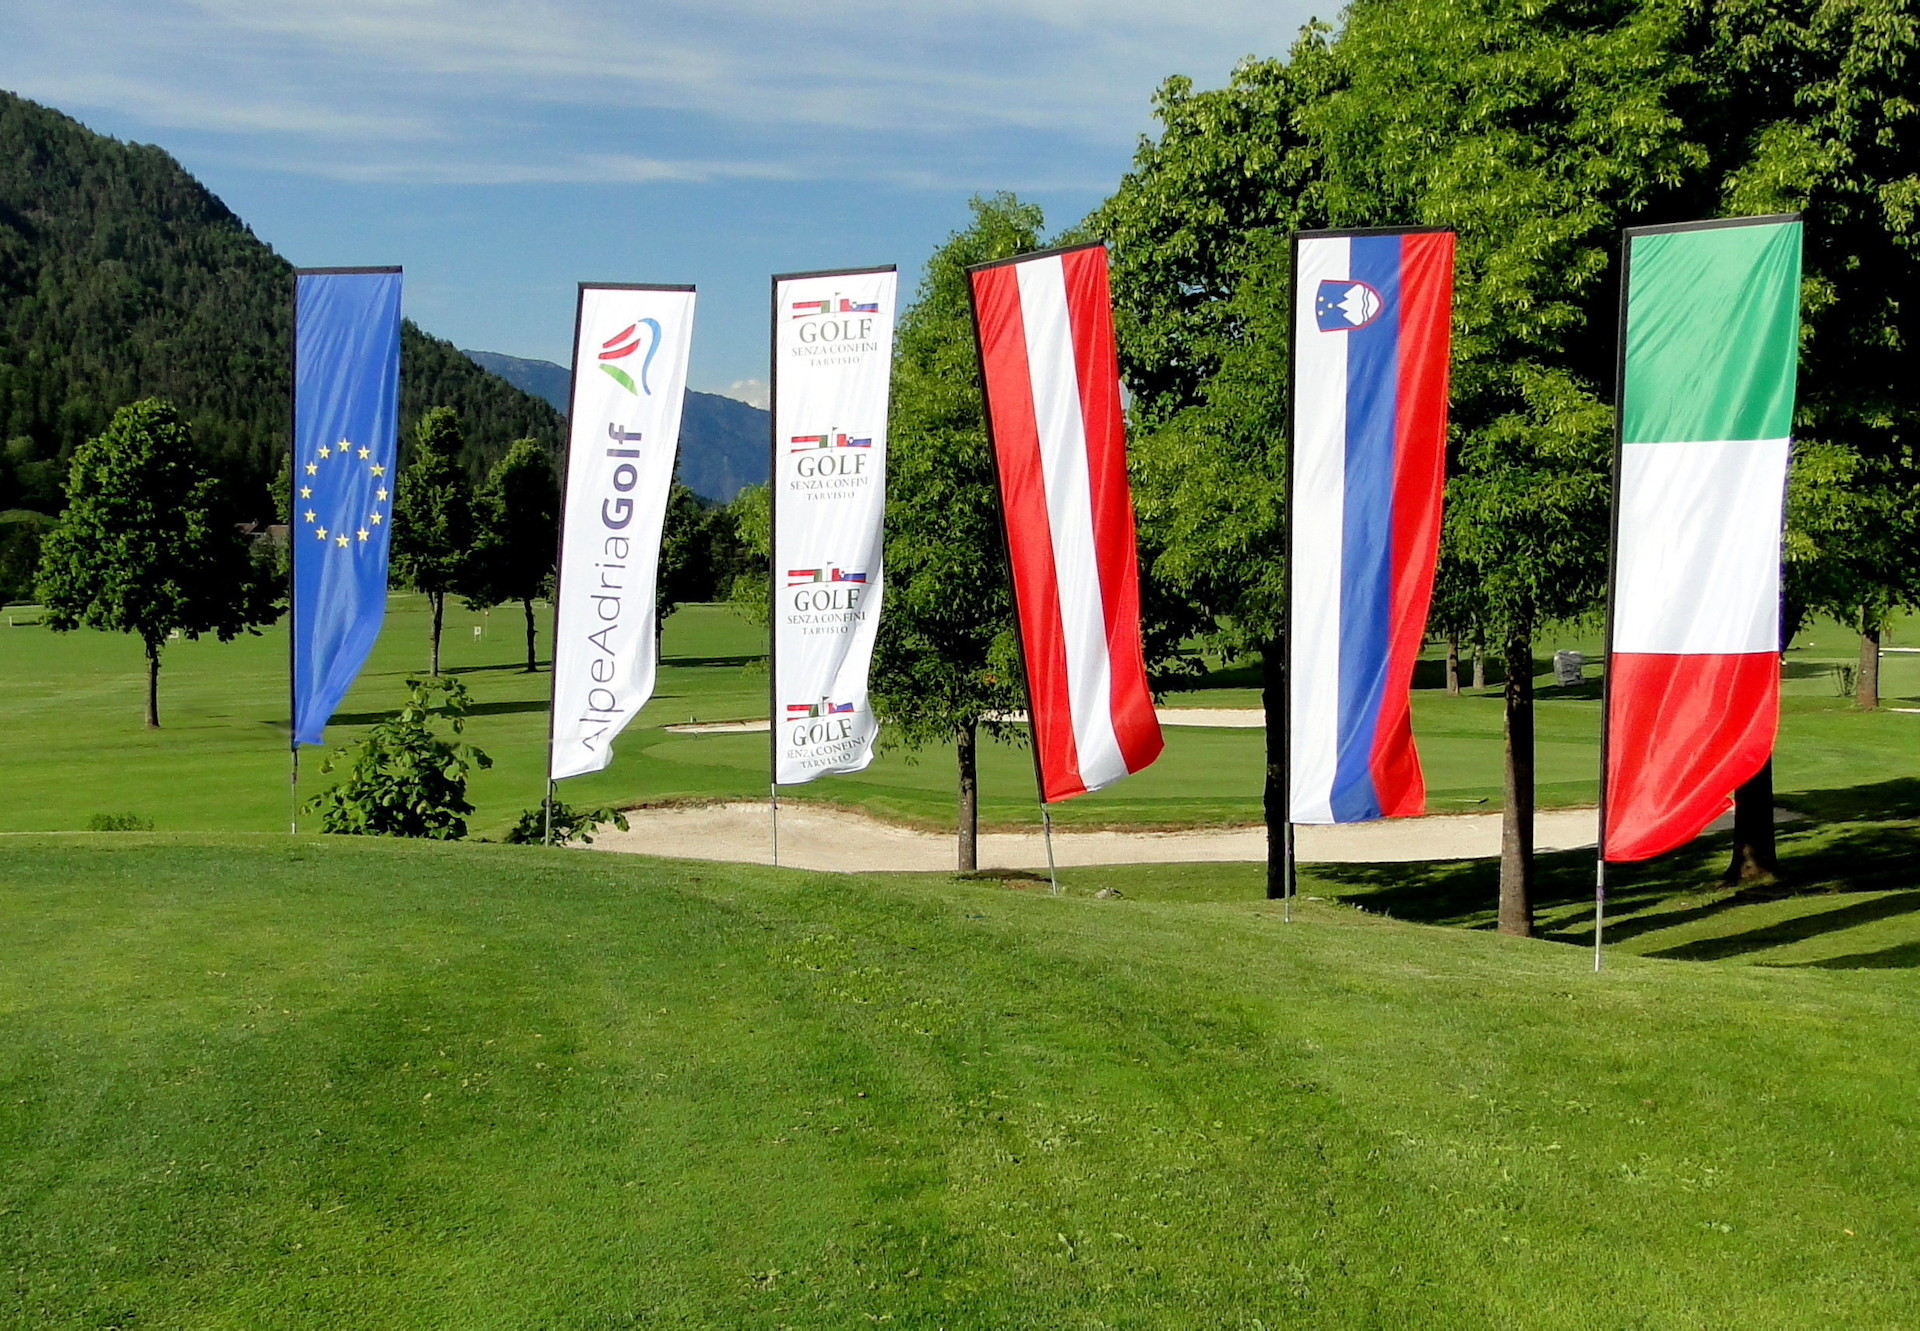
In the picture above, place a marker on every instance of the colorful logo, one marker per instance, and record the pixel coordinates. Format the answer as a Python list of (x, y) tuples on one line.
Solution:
[(808, 443), (1343, 305), (813, 309), (808, 711), (808, 577), (622, 345)]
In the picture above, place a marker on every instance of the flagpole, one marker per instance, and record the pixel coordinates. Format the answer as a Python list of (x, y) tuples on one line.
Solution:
[(1046, 823), (1613, 579), (560, 550), (773, 558), (293, 582), (1290, 866)]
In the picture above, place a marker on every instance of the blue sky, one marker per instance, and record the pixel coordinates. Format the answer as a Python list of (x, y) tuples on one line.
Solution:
[(504, 151)]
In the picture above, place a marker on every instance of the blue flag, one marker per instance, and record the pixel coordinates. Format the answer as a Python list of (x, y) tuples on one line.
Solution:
[(346, 421)]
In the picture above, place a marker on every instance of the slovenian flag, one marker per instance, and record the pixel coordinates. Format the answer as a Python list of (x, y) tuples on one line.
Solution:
[(1711, 336), (1372, 323), (1052, 380)]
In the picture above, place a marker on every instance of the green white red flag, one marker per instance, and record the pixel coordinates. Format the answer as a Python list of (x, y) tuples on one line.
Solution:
[(1711, 328)]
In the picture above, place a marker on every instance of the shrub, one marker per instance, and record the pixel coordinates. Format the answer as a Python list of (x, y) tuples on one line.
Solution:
[(403, 779), (119, 822), (569, 825)]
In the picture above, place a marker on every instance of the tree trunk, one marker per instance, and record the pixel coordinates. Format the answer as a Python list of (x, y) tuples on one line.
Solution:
[(533, 659), (153, 686), (967, 751), (1273, 697), (439, 602), (1479, 665), (1516, 820), (1453, 666), (1754, 862), (1867, 689)]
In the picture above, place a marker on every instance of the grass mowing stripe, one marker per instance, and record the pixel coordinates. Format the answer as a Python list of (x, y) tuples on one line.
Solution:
[(254, 1082)]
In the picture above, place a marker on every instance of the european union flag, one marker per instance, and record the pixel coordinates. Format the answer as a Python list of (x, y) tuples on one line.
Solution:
[(346, 421)]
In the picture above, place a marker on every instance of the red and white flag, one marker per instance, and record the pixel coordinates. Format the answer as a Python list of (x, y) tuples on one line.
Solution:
[(1045, 323)]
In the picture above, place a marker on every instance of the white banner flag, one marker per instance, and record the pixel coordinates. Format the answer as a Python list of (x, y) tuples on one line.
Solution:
[(629, 383), (832, 358)]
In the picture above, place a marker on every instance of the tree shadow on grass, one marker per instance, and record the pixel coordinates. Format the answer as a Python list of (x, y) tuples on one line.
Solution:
[(1799, 929), (697, 662), (478, 709), (1879, 801), (516, 667), (1901, 956), (1645, 899)]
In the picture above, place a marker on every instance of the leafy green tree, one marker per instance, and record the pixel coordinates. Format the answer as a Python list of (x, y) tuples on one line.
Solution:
[(946, 662), (1809, 107), (687, 570), (1534, 131), (1199, 234), (144, 546), (21, 531), (433, 527), (403, 779), (750, 516), (517, 513)]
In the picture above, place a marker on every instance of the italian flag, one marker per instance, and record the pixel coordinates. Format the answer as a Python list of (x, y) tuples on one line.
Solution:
[(1710, 350)]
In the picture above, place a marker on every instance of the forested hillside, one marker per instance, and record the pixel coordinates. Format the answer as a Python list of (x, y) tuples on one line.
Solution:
[(122, 277)]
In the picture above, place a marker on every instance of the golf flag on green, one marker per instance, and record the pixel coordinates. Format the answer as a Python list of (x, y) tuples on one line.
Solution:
[(1710, 347)]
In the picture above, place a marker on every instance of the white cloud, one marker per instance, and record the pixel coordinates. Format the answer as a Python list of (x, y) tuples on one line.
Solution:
[(753, 392), (574, 170), (822, 84)]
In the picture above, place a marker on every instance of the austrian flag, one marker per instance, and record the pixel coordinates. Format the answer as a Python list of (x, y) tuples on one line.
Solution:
[(1052, 379)]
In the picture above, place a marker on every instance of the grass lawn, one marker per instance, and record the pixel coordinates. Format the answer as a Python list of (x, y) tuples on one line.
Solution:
[(72, 745), (254, 1082)]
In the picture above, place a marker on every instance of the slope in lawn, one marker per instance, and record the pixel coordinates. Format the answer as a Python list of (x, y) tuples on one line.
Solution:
[(257, 1083)]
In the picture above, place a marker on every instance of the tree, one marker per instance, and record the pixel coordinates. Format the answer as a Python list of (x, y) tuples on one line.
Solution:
[(1807, 105), (687, 571), (946, 663), (145, 547), (433, 517), (1534, 131), (403, 779), (1199, 230), (122, 278), (750, 519), (517, 513)]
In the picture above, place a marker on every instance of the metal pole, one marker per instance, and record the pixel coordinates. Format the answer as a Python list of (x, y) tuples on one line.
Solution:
[(1286, 842), (546, 835), (1053, 874), (773, 559), (1599, 910), (1613, 586), (293, 795)]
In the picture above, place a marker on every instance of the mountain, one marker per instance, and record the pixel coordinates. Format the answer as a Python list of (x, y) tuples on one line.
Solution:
[(542, 378), (122, 277), (723, 443)]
